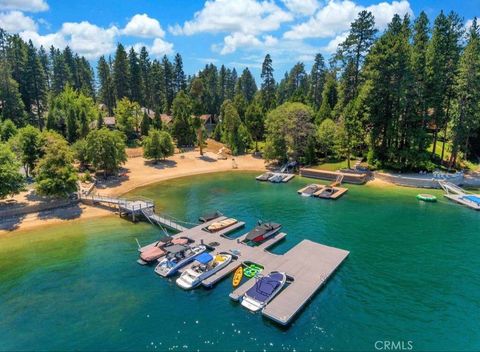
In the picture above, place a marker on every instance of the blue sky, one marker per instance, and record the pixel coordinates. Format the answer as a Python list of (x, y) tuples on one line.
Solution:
[(237, 33)]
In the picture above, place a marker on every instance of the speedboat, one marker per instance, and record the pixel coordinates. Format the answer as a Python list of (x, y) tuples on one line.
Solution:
[(204, 266), (177, 257), (276, 178), (264, 290), (310, 190), (262, 232), (326, 192), (158, 249), (264, 177), (220, 225)]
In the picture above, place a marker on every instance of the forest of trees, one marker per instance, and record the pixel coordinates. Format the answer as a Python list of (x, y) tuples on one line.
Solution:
[(407, 98)]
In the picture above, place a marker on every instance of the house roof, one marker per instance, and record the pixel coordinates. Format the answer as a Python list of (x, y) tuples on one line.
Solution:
[(109, 120), (166, 119)]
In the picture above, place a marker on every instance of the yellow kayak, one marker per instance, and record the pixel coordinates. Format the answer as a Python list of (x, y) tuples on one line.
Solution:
[(237, 277)]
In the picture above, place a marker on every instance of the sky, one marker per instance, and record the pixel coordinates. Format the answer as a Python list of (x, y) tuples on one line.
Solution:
[(236, 33)]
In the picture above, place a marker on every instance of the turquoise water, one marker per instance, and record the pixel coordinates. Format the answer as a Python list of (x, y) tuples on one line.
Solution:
[(412, 275)]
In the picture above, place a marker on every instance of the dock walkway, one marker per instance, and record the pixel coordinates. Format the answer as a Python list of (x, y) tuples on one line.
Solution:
[(308, 265)]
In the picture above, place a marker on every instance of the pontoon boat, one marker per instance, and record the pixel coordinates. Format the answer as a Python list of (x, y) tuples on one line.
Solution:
[(158, 250)]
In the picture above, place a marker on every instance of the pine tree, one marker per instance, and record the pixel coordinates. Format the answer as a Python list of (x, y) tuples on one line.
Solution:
[(179, 79), (467, 112), (157, 120), (353, 50), (83, 127), (100, 121), (72, 126), (11, 104), (182, 129), (60, 74), (168, 84), (158, 86), (442, 60), (145, 125), (317, 81), (135, 84), (145, 69), (297, 84), (45, 61), (246, 85), (36, 84), (121, 74), (106, 90), (268, 84)]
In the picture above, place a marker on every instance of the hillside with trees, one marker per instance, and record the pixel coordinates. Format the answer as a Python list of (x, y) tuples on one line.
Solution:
[(405, 99)]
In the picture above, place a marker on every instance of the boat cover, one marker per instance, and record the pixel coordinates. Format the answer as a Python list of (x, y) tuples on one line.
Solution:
[(152, 253), (180, 240), (204, 258), (209, 216), (473, 198), (176, 248), (265, 287), (261, 230)]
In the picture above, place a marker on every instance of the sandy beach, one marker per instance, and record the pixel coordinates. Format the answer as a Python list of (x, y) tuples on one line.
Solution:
[(137, 172)]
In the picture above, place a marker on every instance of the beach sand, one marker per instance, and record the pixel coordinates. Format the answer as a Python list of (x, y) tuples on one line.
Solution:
[(138, 172)]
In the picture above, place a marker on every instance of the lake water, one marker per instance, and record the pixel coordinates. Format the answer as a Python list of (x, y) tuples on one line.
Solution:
[(413, 274)]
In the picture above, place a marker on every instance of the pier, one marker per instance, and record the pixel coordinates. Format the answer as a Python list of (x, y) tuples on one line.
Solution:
[(459, 195), (308, 266), (135, 208)]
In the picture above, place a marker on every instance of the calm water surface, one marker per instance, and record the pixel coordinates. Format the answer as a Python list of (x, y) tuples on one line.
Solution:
[(412, 275)]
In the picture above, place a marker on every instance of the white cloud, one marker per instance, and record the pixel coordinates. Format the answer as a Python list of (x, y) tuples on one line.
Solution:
[(332, 45), (84, 38), (55, 39), (161, 47), (302, 7), (243, 16), (16, 21), (335, 17), (88, 39), (24, 5), (143, 26)]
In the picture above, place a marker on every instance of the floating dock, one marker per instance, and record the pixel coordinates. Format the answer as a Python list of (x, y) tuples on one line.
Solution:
[(460, 196), (319, 193), (308, 265), (271, 176)]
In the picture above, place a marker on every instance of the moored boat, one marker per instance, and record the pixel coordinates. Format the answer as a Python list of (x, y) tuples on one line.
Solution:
[(158, 250), (204, 266), (276, 178), (310, 190), (220, 225), (264, 290), (209, 216), (262, 232), (177, 256), (264, 177)]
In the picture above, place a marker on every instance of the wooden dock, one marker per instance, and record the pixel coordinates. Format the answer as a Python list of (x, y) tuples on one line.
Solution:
[(308, 265), (339, 191), (460, 199), (355, 178)]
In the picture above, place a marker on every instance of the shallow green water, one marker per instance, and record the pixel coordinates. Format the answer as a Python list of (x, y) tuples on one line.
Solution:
[(412, 275)]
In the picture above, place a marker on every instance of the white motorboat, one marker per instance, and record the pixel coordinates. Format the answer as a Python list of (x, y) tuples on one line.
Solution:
[(177, 257), (204, 266), (276, 178)]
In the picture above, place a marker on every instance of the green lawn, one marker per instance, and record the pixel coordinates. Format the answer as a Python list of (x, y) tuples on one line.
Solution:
[(333, 165)]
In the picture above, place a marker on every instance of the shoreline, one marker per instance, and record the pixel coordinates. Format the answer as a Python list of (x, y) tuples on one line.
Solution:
[(142, 173)]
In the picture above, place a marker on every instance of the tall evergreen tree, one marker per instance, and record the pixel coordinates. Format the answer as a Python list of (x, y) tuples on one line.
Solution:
[(145, 69), (106, 90), (268, 84), (442, 60), (136, 84), (168, 84), (317, 81), (246, 85), (179, 79), (467, 88), (36, 84), (121, 73)]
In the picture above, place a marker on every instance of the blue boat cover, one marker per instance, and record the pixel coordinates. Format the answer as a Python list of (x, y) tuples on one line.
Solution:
[(265, 287), (204, 258), (473, 198)]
